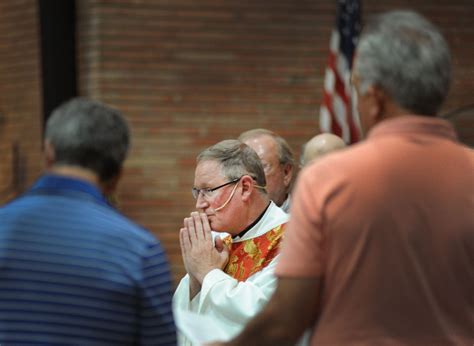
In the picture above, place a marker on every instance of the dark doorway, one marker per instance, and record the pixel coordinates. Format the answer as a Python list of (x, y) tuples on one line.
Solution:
[(58, 52)]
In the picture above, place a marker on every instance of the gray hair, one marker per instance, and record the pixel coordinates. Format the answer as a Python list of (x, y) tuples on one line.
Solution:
[(236, 158), (285, 154), (407, 56), (88, 134)]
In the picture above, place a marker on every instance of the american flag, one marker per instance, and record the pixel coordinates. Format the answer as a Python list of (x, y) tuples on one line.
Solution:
[(338, 114)]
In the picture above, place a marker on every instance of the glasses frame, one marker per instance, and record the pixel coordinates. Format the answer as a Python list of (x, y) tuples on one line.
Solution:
[(196, 192)]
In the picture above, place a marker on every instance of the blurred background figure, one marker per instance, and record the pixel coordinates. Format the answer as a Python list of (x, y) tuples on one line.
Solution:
[(278, 163), (320, 145), (72, 269)]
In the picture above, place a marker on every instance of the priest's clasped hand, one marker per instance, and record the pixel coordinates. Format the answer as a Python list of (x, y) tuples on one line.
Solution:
[(200, 253)]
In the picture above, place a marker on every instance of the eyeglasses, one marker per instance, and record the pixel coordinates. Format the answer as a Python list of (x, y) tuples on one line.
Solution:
[(208, 192)]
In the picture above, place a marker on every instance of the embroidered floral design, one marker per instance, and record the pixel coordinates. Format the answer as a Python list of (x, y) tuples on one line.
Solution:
[(252, 255)]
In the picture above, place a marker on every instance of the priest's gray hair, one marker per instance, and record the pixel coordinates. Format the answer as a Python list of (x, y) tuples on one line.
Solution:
[(236, 159)]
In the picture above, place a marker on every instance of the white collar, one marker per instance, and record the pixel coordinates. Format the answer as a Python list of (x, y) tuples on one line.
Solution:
[(286, 204), (273, 217)]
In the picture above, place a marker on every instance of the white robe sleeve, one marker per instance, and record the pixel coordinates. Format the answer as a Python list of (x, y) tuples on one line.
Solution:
[(230, 303), (181, 295)]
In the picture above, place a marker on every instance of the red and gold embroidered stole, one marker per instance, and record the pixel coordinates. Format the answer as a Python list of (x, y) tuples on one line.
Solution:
[(250, 256)]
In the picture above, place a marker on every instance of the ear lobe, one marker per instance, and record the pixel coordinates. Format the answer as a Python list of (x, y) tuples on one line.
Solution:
[(377, 101), (288, 171)]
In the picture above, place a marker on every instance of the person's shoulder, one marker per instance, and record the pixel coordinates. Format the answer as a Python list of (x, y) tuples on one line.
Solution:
[(17, 202), (130, 227), (470, 155), (336, 162), (469, 151), (113, 223), (339, 169)]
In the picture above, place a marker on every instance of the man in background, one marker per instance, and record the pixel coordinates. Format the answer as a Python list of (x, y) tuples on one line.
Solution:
[(319, 146), (72, 269), (379, 249), (278, 163), (229, 280)]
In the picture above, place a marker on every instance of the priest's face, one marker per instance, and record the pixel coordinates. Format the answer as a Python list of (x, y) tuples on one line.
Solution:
[(217, 196)]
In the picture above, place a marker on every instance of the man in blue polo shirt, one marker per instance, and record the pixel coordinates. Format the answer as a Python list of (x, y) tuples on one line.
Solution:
[(72, 269)]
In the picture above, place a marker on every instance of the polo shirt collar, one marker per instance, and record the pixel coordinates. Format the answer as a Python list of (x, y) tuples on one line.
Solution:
[(414, 124), (57, 183)]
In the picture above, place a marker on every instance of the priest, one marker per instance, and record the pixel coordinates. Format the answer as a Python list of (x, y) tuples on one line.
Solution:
[(230, 272)]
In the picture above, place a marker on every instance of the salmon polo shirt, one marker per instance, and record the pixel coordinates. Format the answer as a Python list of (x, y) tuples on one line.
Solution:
[(387, 226)]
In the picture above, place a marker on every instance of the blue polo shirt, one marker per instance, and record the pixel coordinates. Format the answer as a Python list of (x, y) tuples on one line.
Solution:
[(75, 271)]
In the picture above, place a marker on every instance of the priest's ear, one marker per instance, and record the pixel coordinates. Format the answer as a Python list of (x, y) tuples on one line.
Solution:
[(247, 186)]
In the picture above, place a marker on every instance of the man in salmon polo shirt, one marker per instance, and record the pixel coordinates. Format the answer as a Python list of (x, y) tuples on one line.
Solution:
[(379, 248)]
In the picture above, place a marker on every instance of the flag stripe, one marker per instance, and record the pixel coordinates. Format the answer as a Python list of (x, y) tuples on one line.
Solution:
[(337, 114)]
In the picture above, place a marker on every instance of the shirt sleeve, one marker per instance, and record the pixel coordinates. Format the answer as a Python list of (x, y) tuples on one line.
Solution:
[(303, 246), (156, 318)]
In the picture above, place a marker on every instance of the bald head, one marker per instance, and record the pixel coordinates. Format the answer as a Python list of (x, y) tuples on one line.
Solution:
[(277, 160), (320, 145)]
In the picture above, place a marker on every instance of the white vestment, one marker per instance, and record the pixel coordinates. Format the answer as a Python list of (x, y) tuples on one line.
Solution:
[(230, 303), (286, 204)]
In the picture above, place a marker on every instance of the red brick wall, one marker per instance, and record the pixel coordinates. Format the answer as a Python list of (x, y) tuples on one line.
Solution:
[(20, 97), (189, 73)]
